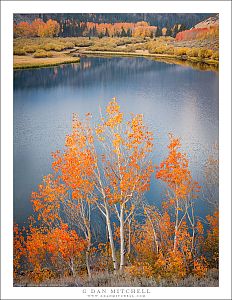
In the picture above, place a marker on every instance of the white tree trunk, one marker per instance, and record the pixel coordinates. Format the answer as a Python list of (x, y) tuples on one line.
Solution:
[(129, 237), (87, 254), (122, 242), (113, 252), (176, 225)]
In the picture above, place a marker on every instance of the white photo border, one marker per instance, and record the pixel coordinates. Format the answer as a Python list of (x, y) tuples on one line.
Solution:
[(8, 8)]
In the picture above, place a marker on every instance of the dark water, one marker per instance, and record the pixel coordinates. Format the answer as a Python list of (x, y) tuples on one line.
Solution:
[(172, 98)]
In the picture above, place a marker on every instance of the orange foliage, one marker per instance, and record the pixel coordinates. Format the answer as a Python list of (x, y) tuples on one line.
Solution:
[(19, 249), (140, 269), (37, 28), (46, 202), (186, 236), (125, 164), (165, 231), (171, 266), (200, 266), (197, 33), (48, 251), (103, 258), (65, 243), (23, 29), (49, 29), (130, 147), (142, 29), (139, 29), (113, 175), (174, 170), (143, 243), (211, 245), (77, 165), (168, 263)]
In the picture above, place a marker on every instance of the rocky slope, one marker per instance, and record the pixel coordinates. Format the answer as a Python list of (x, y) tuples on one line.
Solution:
[(211, 21)]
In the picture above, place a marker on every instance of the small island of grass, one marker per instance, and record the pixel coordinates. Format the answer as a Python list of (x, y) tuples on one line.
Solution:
[(43, 59)]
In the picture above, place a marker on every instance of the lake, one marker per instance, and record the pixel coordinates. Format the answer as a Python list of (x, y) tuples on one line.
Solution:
[(172, 98)]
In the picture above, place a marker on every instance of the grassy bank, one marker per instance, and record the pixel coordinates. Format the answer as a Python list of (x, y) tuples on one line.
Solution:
[(189, 63), (163, 56)]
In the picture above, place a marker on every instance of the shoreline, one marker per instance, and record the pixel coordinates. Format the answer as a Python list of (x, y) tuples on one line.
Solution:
[(34, 63), (150, 55)]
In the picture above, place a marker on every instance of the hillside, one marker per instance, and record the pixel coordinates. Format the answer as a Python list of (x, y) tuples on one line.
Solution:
[(211, 21), (203, 35)]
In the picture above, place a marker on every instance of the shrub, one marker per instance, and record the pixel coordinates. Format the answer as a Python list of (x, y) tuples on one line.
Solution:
[(53, 46), (157, 49), (208, 53), (42, 54), (59, 48), (140, 270), (69, 45), (170, 50), (200, 267), (160, 50), (171, 266), (30, 49), (201, 53), (104, 45), (41, 275), (49, 47), (180, 51), (123, 41), (141, 46), (192, 52), (82, 42), (19, 52), (205, 53), (215, 55)]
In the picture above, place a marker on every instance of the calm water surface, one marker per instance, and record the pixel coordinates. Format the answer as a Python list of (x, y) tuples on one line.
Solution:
[(172, 98)]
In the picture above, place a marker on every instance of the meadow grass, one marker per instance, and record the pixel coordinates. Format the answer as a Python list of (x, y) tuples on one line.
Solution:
[(162, 47), (105, 279)]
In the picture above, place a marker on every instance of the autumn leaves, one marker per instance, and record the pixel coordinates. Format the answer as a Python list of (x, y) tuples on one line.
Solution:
[(37, 28), (107, 170), (198, 33)]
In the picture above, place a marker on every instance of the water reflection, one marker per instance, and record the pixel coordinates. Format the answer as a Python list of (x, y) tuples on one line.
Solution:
[(186, 63), (172, 98), (85, 73)]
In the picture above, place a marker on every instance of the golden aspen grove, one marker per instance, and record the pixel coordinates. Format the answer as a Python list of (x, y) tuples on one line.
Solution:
[(91, 217)]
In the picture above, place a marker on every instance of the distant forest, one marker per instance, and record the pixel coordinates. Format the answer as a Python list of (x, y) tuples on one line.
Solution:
[(75, 24)]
